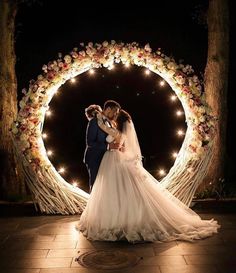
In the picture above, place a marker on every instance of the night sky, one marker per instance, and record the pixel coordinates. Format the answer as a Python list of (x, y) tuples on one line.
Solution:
[(47, 27)]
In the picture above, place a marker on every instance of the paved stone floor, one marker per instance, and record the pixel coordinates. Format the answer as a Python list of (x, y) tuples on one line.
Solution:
[(50, 244)]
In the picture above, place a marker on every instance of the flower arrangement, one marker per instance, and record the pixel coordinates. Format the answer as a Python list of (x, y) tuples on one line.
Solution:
[(33, 106)]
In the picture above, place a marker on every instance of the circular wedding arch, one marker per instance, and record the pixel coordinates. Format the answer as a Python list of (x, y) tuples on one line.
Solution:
[(51, 193)]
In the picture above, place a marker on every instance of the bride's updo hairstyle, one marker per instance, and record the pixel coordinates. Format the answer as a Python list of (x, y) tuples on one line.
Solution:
[(122, 117), (91, 111)]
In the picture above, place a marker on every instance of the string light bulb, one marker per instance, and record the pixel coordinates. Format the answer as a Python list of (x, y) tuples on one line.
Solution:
[(44, 135), (48, 113), (147, 72), (180, 132), (174, 154), (61, 170), (162, 83), (179, 113), (49, 152), (162, 172), (173, 98)]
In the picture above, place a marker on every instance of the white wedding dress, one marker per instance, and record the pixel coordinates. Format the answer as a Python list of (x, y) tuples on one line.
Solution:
[(127, 203)]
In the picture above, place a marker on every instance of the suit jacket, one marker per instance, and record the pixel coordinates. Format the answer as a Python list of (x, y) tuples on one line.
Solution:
[(96, 144)]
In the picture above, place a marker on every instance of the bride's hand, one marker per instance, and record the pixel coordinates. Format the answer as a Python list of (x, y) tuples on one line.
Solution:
[(98, 114)]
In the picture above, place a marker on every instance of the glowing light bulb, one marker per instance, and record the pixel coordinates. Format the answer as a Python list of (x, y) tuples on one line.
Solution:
[(147, 72), (127, 65), (173, 98), (48, 113), (162, 172), (174, 154), (49, 152), (179, 113), (44, 135), (73, 80), (61, 170), (91, 71), (180, 132), (162, 83)]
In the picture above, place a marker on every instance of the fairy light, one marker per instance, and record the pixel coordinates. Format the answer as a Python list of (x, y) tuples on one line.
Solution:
[(180, 132), (91, 71), (48, 113), (162, 172), (127, 65), (49, 152), (61, 170), (173, 98), (74, 183), (179, 113), (44, 135), (162, 83), (174, 154), (73, 80), (147, 72)]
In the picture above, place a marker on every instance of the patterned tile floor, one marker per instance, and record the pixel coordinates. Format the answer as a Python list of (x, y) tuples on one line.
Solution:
[(50, 244)]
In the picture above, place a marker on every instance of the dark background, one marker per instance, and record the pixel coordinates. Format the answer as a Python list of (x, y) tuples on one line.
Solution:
[(48, 27)]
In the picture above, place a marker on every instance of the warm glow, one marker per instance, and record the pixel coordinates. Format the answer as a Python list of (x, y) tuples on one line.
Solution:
[(180, 132), (179, 113), (147, 72), (162, 172), (44, 135), (48, 113), (187, 88), (49, 152), (173, 98), (174, 154), (61, 170), (91, 71), (75, 184), (162, 83)]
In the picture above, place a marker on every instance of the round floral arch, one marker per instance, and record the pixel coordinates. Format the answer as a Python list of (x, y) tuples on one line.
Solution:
[(51, 193)]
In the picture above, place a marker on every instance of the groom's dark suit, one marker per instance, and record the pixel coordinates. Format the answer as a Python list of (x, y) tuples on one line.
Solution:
[(96, 146)]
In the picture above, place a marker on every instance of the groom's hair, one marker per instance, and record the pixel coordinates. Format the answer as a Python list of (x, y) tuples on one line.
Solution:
[(111, 104)]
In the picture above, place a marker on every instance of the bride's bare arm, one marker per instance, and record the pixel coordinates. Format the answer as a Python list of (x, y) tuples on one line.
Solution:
[(111, 131)]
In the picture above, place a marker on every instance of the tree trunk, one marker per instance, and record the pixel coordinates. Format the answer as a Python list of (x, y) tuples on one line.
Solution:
[(216, 84), (10, 184)]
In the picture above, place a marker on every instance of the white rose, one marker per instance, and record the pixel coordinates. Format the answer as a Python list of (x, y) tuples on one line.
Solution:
[(202, 119), (14, 130), (105, 44), (22, 104), (172, 65)]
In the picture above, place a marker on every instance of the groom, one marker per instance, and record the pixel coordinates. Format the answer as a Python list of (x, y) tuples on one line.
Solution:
[(96, 144)]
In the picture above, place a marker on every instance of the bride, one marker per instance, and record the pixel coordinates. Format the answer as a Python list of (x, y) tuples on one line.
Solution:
[(128, 203)]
